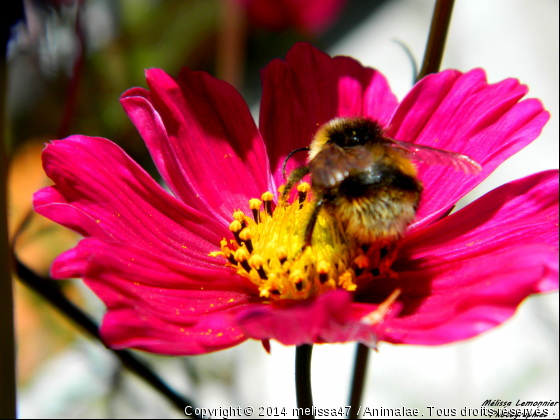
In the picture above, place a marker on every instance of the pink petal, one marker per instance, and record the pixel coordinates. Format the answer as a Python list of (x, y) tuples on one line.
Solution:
[(468, 272), (137, 103), (124, 328), (453, 301), (519, 213), (211, 149), (156, 304), (134, 264), (310, 16), (309, 89), (463, 113), (99, 191), (329, 318)]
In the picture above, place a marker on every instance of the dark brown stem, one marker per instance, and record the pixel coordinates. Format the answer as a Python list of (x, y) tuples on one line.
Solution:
[(303, 381), (45, 287), (360, 367), (437, 38), (72, 91), (7, 347), (230, 54)]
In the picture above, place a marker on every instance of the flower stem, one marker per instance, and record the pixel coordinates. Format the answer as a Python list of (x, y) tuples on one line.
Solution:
[(360, 366), (230, 53), (45, 287), (72, 90), (7, 347), (303, 380), (437, 38)]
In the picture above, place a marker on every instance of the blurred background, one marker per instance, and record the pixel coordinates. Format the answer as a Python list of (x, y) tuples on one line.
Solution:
[(68, 63)]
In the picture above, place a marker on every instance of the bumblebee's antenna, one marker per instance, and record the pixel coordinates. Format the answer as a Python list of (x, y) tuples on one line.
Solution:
[(301, 149)]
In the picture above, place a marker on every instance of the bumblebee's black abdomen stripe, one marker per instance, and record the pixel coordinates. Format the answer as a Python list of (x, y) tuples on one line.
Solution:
[(378, 177), (402, 181)]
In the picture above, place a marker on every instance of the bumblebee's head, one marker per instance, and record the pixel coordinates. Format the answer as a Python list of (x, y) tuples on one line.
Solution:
[(346, 132)]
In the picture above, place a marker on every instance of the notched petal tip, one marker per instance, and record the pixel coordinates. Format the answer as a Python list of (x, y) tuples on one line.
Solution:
[(330, 318), (460, 300), (266, 345), (196, 109), (134, 92)]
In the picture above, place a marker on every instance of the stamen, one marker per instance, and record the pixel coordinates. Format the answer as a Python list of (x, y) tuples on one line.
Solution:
[(362, 262), (245, 237), (281, 254), (345, 281), (231, 259), (297, 278), (256, 261), (267, 198), (268, 287), (255, 206), (323, 269), (225, 252), (303, 189), (240, 217), (241, 256), (235, 227)]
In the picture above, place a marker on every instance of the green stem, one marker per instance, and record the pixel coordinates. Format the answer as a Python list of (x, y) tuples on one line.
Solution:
[(360, 367), (303, 381), (437, 37), (45, 287)]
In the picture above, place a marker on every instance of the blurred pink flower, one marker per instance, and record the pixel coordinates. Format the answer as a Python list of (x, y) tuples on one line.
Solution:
[(146, 252), (310, 16)]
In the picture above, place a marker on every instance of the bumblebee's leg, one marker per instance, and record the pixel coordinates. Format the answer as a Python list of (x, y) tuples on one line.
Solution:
[(317, 203), (295, 176)]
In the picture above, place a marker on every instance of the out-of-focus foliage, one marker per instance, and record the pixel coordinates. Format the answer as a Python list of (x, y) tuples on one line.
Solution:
[(69, 64)]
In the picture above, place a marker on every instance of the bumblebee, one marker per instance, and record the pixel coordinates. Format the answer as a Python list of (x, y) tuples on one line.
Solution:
[(365, 180)]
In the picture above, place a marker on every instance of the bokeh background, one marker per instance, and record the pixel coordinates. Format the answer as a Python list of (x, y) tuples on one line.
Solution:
[(68, 63)]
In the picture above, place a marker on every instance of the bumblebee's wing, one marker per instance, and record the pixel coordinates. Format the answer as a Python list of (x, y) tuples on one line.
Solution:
[(433, 156), (333, 164)]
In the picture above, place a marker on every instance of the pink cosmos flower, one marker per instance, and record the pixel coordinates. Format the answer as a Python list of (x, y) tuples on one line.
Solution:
[(146, 253), (310, 16)]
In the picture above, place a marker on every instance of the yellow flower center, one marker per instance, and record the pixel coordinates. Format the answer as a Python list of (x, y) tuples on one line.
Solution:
[(269, 250)]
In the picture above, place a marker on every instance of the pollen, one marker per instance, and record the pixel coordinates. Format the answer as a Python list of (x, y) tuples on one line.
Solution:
[(269, 250)]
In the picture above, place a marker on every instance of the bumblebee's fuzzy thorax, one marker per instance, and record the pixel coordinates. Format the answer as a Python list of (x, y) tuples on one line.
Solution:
[(345, 132)]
